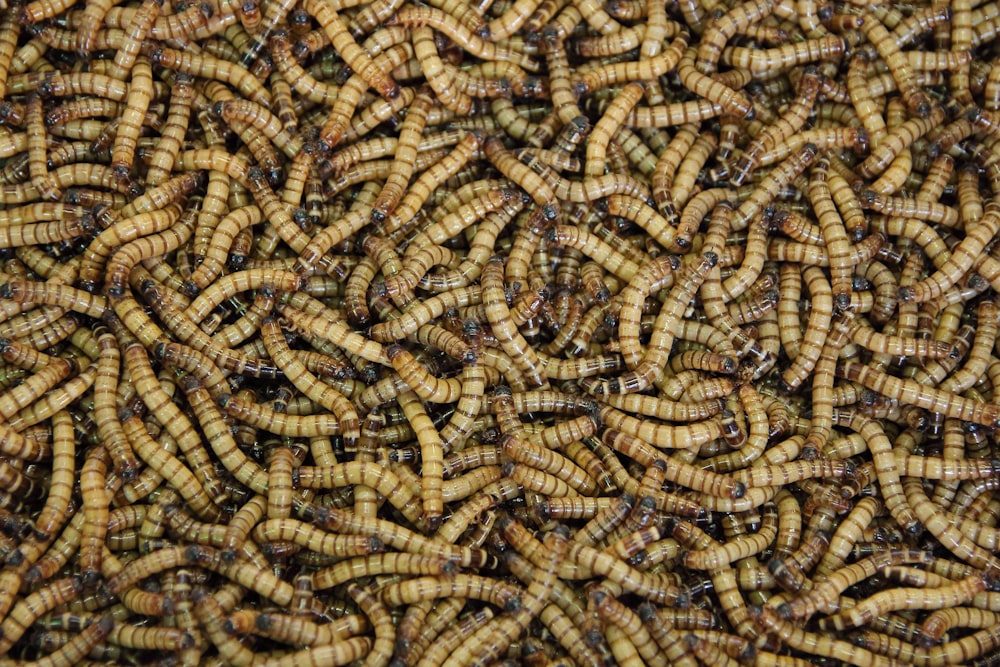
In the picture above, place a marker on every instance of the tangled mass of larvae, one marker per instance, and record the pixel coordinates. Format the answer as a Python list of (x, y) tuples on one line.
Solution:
[(511, 332)]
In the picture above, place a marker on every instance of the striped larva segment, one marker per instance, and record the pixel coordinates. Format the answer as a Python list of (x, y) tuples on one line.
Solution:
[(137, 361), (93, 478), (439, 20), (38, 168), (405, 157), (432, 463), (498, 315), (312, 538), (786, 56), (487, 642), (724, 27), (126, 139), (80, 646), (950, 595), (679, 472), (175, 127), (632, 72), (657, 354), (548, 461), (370, 474), (135, 34), (912, 393), (203, 65), (57, 505), (784, 128), (169, 467), (106, 413), (834, 234), (10, 29), (887, 47), (734, 101), (307, 382)]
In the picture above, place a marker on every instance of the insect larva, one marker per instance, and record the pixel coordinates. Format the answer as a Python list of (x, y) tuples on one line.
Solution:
[(304, 84), (241, 277), (522, 174), (93, 476), (370, 474), (503, 328), (56, 295), (280, 483), (819, 321), (929, 211), (176, 423), (312, 538), (105, 412), (449, 638), (820, 468), (956, 265), (432, 177), (597, 249), (167, 305), (461, 34), (422, 382), (761, 61), (242, 114), (890, 51), (411, 643), (628, 622), (308, 383), (460, 585), (206, 66), (169, 467), (724, 27), (431, 455), (490, 639), (28, 609), (784, 128), (940, 621), (172, 134), (296, 629), (549, 461), (929, 398), (80, 646), (210, 616), (135, 33), (273, 421), (656, 355), (405, 157), (733, 101), (644, 69), (688, 168), (218, 249), (945, 596), (126, 139), (57, 505), (826, 595), (10, 27), (724, 582), (121, 232), (37, 145), (848, 534)]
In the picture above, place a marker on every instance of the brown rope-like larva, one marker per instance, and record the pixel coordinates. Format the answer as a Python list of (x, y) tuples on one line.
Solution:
[(473, 332)]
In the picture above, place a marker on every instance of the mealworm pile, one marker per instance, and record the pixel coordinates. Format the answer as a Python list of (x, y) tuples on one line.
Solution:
[(513, 332)]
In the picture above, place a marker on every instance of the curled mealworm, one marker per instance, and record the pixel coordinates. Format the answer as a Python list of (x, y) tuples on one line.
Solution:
[(333, 318)]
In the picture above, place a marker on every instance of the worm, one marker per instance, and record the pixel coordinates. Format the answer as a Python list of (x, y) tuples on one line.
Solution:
[(474, 332)]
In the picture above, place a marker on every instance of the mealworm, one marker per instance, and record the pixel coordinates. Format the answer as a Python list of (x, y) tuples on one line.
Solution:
[(656, 356), (503, 312), (786, 126)]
